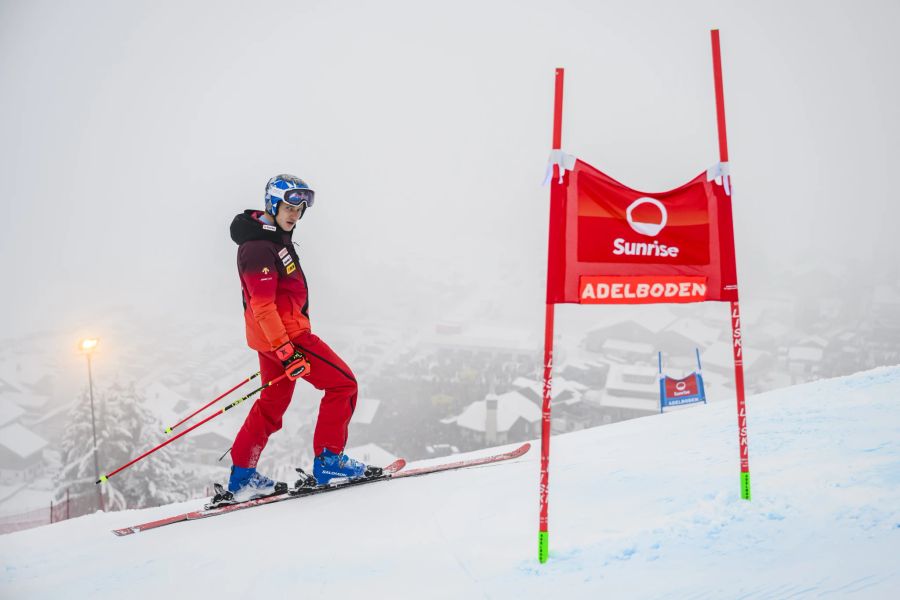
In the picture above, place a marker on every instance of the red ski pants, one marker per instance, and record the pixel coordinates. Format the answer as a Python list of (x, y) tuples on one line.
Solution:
[(327, 372)]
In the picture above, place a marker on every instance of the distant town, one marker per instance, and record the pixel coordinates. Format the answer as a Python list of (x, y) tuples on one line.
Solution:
[(456, 385)]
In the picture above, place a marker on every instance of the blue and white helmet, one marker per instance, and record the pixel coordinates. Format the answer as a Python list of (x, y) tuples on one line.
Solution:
[(290, 189)]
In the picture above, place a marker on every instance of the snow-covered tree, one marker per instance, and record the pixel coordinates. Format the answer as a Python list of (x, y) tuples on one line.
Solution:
[(77, 474), (125, 428)]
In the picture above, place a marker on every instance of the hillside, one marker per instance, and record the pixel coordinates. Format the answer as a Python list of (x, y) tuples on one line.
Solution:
[(642, 509)]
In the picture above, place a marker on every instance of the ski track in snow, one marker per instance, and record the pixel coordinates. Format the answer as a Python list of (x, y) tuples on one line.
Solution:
[(648, 508)]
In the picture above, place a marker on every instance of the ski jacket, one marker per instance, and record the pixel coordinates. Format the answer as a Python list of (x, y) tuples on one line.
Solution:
[(276, 299)]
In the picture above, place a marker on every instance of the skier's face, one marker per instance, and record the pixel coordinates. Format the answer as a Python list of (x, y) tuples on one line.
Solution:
[(287, 216)]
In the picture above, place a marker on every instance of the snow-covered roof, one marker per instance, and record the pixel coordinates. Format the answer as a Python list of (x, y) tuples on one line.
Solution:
[(752, 312), (21, 441), (371, 454), (773, 329), (366, 408), (9, 411), (694, 330), (613, 345), (8, 388), (721, 355), (579, 363), (26, 399), (51, 414), (558, 386), (641, 379), (511, 407), (814, 340), (616, 401), (805, 353), (162, 400), (654, 318)]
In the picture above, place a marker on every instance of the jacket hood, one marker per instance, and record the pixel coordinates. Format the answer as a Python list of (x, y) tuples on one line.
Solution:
[(247, 227)]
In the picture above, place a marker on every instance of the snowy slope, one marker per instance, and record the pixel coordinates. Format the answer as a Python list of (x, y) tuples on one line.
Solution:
[(642, 509)]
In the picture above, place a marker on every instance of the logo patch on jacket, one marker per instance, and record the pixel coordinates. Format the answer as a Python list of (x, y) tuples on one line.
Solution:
[(287, 261)]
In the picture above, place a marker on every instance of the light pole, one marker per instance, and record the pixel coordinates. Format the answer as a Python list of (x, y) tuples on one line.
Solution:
[(87, 348)]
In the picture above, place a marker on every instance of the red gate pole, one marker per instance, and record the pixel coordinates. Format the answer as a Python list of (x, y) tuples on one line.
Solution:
[(543, 533), (737, 342)]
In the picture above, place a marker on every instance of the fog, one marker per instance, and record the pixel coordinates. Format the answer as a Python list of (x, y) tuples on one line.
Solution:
[(132, 133)]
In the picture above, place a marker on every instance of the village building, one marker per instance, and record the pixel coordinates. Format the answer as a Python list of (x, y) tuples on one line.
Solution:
[(21, 454), (497, 420)]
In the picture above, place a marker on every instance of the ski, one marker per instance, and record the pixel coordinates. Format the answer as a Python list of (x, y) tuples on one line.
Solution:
[(462, 464), (393, 471), (203, 513)]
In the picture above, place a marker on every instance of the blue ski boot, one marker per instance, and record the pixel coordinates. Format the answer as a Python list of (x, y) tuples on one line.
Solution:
[(247, 484), (329, 467)]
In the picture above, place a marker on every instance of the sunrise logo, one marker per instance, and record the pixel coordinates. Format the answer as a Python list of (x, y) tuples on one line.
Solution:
[(647, 216)]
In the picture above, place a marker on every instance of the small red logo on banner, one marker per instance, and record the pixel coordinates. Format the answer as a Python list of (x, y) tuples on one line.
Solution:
[(677, 388), (641, 290)]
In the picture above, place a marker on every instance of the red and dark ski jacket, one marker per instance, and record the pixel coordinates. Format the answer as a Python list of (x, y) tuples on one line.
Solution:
[(276, 299)]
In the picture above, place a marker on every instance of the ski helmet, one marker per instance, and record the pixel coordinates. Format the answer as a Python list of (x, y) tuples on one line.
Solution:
[(290, 189)]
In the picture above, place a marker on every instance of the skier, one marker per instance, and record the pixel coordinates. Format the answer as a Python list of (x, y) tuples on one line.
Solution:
[(276, 312)]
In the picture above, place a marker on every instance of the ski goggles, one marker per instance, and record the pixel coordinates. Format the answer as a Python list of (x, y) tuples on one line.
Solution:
[(298, 197), (295, 197)]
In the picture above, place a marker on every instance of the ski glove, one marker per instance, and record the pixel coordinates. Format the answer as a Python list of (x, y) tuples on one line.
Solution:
[(294, 361)]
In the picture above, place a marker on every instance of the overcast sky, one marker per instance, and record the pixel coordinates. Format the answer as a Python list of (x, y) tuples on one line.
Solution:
[(132, 133)]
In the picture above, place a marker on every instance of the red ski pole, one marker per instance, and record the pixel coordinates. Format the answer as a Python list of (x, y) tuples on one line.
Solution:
[(211, 402), (191, 428)]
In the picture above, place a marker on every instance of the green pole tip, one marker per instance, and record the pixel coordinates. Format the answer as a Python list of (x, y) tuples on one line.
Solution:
[(745, 486), (543, 546), (168, 430), (103, 479)]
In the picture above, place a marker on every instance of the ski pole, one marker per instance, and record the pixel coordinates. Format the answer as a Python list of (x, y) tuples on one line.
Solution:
[(191, 428), (210, 403)]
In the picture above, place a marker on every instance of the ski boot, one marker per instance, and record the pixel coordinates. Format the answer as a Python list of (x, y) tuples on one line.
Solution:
[(247, 484), (330, 468)]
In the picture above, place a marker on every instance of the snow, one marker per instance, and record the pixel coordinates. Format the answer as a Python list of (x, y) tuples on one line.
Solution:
[(647, 508), (511, 407), (21, 441)]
